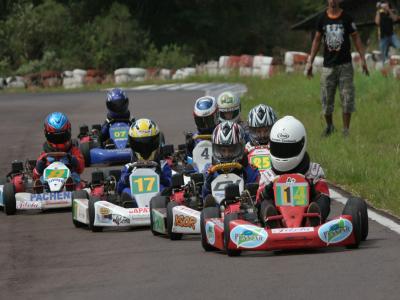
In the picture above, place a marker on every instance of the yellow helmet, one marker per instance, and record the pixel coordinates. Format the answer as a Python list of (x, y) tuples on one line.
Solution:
[(144, 139)]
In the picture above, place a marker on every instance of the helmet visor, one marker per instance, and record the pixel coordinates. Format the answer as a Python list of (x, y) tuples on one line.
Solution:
[(118, 105), (145, 146), (203, 123), (227, 153), (58, 137), (286, 150), (260, 135)]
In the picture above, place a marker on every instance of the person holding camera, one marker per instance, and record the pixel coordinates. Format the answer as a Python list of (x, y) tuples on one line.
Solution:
[(385, 18), (334, 28)]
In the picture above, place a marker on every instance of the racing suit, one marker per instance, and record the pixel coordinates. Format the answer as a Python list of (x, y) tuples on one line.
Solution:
[(248, 173), (75, 162), (163, 170), (314, 174), (112, 118)]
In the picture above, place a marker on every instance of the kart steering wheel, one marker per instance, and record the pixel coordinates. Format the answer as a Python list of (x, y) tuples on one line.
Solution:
[(225, 167)]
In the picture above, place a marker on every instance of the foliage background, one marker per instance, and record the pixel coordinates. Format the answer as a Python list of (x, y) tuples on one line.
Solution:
[(64, 34)]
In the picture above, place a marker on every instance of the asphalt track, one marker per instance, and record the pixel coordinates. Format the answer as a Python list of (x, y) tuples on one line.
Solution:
[(42, 256)]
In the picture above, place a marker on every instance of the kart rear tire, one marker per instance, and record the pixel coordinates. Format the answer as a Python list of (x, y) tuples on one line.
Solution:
[(85, 150), (353, 208), (157, 202), (82, 194), (10, 204), (227, 219), (207, 213), (170, 222), (92, 201)]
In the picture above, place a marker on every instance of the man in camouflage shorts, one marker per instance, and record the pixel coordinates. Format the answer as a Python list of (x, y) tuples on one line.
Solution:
[(335, 27)]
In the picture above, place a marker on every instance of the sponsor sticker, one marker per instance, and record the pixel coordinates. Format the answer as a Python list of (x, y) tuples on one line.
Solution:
[(158, 222), (185, 221), (335, 231), (61, 196), (210, 232), (104, 211), (139, 210), (248, 236), (28, 204), (292, 230), (120, 220)]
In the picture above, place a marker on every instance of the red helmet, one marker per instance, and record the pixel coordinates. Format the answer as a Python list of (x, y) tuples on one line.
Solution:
[(57, 130)]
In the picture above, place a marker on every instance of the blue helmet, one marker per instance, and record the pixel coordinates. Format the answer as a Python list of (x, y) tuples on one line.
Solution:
[(206, 114), (57, 130), (117, 101)]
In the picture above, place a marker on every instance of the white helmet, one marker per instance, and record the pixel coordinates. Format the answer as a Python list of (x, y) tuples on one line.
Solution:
[(205, 114), (260, 121), (228, 143), (288, 143), (228, 104)]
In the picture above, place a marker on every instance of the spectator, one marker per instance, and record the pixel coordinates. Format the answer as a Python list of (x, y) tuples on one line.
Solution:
[(385, 17), (335, 27)]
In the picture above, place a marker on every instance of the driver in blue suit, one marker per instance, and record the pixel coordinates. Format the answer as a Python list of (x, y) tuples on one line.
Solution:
[(228, 144), (117, 103), (144, 140)]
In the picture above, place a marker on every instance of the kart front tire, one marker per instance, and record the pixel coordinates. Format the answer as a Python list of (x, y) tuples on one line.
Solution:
[(85, 150), (82, 194), (354, 208), (10, 204), (170, 222), (157, 202), (92, 227), (227, 219), (207, 213)]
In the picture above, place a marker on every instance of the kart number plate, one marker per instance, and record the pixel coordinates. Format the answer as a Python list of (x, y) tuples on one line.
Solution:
[(144, 184)]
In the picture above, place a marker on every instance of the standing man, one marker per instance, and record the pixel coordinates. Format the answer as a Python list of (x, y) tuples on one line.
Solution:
[(335, 27), (385, 17)]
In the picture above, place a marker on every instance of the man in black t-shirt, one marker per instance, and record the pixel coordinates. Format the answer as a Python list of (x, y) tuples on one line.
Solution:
[(335, 27), (385, 17)]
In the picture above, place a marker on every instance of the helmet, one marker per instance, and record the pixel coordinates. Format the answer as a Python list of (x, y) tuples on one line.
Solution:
[(260, 120), (228, 142), (144, 139), (206, 114), (288, 143), (57, 130), (117, 101), (229, 107)]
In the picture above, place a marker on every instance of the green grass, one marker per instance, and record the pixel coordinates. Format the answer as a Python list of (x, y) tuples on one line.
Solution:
[(367, 163)]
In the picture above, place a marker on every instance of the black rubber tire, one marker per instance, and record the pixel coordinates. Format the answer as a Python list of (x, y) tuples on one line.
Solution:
[(10, 204), (207, 213), (364, 216), (227, 219), (262, 213), (82, 194), (353, 208), (170, 221), (157, 202), (85, 150), (93, 228)]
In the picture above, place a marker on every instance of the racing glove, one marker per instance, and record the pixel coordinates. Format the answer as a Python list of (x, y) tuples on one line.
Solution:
[(41, 165)]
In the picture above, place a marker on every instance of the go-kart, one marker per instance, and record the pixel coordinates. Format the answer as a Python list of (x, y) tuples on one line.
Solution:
[(259, 157), (21, 192), (113, 151), (178, 213), (243, 229), (99, 206)]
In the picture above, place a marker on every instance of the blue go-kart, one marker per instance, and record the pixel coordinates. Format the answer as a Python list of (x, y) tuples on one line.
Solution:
[(113, 151)]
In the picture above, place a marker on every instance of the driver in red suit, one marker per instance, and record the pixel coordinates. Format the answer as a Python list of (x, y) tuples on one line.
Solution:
[(57, 130)]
